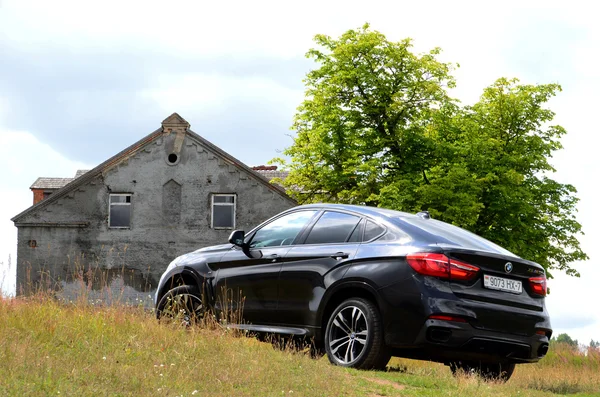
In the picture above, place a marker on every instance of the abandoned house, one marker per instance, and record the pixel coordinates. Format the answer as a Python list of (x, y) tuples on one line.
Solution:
[(122, 222)]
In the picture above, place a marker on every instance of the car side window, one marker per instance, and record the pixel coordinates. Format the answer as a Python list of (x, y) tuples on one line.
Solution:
[(357, 234), (282, 231), (332, 227), (372, 230)]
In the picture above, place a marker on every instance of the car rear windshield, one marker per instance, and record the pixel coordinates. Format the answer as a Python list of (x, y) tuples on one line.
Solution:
[(446, 234)]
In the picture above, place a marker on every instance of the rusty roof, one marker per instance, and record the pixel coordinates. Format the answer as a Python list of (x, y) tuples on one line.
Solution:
[(271, 174)]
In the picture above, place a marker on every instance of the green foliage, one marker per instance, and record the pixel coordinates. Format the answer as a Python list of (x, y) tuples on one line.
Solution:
[(594, 344), (565, 338), (378, 127)]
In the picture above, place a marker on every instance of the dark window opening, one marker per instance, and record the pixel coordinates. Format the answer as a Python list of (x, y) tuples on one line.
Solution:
[(173, 158), (223, 211), (46, 195), (332, 227), (120, 211), (32, 243)]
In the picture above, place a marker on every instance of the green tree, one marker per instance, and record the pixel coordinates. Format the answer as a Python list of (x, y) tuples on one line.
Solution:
[(565, 338), (378, 127), (491, 176), (594, 344), (365, 112)]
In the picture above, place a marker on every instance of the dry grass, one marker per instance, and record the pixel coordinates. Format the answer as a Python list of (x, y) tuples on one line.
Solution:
[(47, 348), (52, 348)]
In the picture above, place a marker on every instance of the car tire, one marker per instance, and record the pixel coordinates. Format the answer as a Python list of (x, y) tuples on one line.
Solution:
[(183, 304), (498, 371), (354, 336)]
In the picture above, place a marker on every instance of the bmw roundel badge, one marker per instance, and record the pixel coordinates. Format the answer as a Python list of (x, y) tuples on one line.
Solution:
[(508, 267)]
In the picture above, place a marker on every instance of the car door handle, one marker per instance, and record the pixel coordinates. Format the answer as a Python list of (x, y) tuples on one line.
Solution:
[(273, 257), (340, 255)]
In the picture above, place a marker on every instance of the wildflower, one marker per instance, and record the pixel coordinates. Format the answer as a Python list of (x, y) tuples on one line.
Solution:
[(194, 392), (104, 358)]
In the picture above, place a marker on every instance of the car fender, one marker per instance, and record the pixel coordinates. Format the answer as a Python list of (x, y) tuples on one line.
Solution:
[(204, 282), (345, 284)]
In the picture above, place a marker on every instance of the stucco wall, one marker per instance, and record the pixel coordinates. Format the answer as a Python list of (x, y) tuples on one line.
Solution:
[(171, 215)]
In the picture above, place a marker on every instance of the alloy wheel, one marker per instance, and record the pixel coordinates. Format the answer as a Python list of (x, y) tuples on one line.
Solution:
[(186, 308), (349, 335)]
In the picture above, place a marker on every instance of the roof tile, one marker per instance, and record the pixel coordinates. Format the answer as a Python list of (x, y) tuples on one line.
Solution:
[(50, 183)]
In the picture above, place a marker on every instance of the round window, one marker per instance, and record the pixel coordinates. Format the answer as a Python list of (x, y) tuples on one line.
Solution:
[(173, 158)]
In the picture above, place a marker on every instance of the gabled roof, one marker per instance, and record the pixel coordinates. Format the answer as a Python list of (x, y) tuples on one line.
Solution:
[(50, 183), (171, 121), (80, 173), (54, 183)]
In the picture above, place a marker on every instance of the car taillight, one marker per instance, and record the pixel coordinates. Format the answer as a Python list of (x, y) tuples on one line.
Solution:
[(462, 271), (538, 285), (446, 317), (439, 265)]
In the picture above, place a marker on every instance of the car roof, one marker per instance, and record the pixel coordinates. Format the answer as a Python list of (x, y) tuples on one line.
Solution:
[(362, 209), (421, 228)]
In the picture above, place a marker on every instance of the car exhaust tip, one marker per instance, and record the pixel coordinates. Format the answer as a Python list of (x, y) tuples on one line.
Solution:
[(439, 335), (543, 349)]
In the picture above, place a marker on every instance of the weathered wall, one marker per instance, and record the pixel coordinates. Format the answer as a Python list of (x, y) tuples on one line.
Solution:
[(171, 215)]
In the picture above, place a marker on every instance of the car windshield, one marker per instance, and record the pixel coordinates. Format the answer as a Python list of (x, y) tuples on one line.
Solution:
[(447, 234)]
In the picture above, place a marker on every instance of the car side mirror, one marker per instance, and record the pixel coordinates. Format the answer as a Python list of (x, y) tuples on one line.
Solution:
[(237, 238)]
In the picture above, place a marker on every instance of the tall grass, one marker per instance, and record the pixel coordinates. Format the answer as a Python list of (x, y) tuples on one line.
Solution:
[(565, 370), (54, 346), (6, 285), (82, 277), (49, 347)]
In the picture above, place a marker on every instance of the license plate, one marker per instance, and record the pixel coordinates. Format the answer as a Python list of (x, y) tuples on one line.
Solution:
[(502, 284)]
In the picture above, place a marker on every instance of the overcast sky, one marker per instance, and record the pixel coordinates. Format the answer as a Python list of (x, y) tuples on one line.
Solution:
[(80, 82)]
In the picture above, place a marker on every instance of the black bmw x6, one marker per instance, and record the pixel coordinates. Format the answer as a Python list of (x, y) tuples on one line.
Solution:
[(370, 283)]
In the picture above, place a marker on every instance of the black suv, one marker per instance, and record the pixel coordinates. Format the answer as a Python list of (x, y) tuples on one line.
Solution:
[(370, 283)]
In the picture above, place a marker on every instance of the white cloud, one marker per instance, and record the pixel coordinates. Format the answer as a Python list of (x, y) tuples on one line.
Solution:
[(205, 91), (3, 108), (22, 159)]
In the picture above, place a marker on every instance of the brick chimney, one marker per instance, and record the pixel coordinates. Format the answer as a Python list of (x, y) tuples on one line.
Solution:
[(175, 124)]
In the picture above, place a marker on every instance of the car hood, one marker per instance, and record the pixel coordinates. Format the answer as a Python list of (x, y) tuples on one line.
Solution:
[(213, 248), (211, 254)]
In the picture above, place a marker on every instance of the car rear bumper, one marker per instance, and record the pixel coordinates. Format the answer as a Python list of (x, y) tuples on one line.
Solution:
[(409, 330), (450, 341)]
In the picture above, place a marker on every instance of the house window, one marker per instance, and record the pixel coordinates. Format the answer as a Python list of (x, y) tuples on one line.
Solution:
[(223, 211), (46, 195), (119, 215)]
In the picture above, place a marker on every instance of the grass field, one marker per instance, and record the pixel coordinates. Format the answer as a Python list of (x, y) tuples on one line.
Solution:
[(48, 348)]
